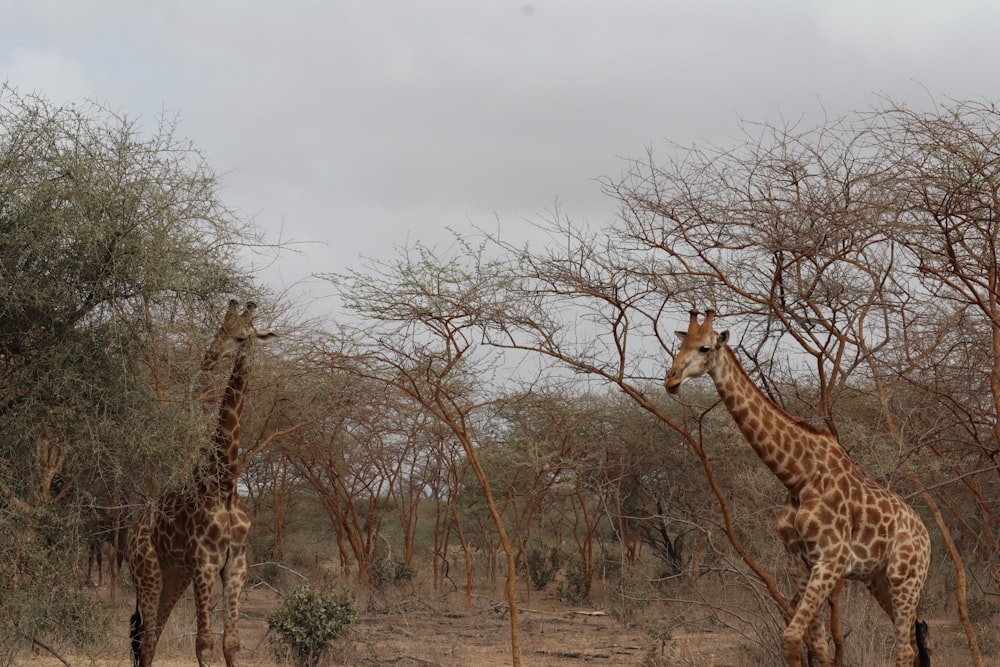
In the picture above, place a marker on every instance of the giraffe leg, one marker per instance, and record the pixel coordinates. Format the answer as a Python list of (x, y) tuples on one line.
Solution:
[(152, 610), (822, 581), (905, 601), (233, 577), (878, 586), (898, 593), (815, 638), (906, 634), (204, 643), (143, 630), (881, 590), (173, 588), (144, 627)]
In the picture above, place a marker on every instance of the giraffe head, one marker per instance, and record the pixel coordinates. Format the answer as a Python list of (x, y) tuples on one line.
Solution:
[(236, 331), (699, 351)]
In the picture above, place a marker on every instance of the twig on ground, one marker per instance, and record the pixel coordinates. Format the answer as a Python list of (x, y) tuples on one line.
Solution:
[(39, 643)]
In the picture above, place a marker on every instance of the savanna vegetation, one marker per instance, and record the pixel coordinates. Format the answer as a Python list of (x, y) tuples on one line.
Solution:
[(491, 416)]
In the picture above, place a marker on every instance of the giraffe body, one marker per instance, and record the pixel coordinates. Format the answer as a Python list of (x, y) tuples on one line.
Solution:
[(837, 522), (200, 532)]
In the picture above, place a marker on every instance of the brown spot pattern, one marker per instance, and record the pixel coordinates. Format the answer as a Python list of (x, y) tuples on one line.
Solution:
[(193, 536), (837, 522)]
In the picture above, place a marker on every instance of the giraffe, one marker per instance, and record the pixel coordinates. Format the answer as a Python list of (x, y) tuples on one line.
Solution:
[(201, 531), (837, 522)]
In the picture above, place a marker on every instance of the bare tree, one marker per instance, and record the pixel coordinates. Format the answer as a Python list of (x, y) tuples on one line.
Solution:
[(861, 252), (594, 305), (425, 315)]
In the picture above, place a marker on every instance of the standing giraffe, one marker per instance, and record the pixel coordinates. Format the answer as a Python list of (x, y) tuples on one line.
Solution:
[(201, 531), (837, 522)]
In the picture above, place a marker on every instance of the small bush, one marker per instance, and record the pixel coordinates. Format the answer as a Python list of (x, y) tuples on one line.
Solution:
[(308, 621), (575, 589), (627, 600), (386, 571), (543, 568), (404, 572)]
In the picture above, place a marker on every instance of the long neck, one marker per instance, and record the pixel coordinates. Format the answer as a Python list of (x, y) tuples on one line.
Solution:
[(223, 455), (788, 446)]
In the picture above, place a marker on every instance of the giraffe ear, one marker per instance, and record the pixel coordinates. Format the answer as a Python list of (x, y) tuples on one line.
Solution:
[(680, 334), (265, 335), (723, 337), (232, 312)]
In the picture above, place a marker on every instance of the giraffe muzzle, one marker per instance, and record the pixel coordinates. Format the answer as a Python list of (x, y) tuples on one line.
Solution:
[(673, 382)]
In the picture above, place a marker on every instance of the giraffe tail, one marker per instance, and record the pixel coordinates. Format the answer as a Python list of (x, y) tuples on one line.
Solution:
[(135, 635), (923, 650)]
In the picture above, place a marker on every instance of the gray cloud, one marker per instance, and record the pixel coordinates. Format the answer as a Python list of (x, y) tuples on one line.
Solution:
[(361, 124)]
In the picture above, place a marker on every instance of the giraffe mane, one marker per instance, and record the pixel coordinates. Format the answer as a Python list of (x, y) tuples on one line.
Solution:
[(797, 421)]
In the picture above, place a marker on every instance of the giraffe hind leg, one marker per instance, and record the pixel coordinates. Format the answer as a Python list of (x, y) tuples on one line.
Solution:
[(911, 634), (878, 586), (135, 635), (151, 613), (173, 588), (234, 575), (144, 630), (204, 643), (144, 634)]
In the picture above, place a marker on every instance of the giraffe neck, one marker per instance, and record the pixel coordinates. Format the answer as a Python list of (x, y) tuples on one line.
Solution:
[(788, 446), (223, 454)]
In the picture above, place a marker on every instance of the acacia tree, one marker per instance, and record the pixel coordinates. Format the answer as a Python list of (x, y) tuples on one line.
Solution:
[(861, 250), (594, 304), (450, 479), (524, 454), (424, 316), (576, 458), (334, 453), (114, 246), (947, 164)]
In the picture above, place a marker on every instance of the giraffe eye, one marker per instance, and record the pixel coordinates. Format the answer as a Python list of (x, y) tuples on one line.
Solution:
[(704, 349)]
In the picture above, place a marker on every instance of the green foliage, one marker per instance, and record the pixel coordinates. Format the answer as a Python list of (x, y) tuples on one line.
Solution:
[(308, 621), (114, 249), (574, 589), (46, 610), (543, 567), (385, 571), (981, 607), (629, 597)]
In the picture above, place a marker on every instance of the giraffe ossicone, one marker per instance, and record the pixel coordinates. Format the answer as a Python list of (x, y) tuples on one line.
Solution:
[(200, 532), (837, 522)]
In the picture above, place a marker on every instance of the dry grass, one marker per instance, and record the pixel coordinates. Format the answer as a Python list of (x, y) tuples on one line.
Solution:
[(408, 628)]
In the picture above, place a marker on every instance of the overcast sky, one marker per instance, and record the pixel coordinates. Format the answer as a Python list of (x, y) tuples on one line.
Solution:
[(360, 124)]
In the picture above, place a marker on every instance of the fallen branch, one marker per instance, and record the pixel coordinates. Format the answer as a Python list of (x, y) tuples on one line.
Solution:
[(39, 643)]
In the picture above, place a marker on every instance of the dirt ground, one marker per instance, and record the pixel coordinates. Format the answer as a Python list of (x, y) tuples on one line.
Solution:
[(409, 631), (421, 631)]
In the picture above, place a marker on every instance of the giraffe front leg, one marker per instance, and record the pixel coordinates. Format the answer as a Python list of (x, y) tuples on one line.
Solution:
[(204, 644), (815, 638), (822, 580)]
